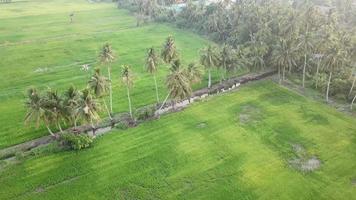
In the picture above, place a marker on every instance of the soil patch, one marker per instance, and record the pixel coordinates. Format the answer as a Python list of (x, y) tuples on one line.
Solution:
[(303, 161), (202, 125), (249, 114)]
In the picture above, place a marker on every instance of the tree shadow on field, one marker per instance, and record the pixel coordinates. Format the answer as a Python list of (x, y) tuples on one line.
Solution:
[(278, 97)]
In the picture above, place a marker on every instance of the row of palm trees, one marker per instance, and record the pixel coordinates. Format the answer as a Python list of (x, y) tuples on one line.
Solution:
[(75, 106)]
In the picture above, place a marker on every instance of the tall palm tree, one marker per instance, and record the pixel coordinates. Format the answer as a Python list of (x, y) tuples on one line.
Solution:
[(352, 102), (178, 83), (318, 59), (353, 76), (100, 85), (35, 110), (70, 104), (334, 59), (284, 57), (126, 75), (169, 52), (306, 46), (227, 59), (54, 109), (88, 108), (194, 72), (256, 51), (107, 57), (209, 59), (152, 67)]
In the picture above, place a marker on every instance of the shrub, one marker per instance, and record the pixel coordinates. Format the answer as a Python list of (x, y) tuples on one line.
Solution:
[(19, 155), (47, 149), (77, 141), (145, 113)]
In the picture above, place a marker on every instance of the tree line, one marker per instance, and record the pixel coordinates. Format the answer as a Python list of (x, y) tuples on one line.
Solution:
[(313, 40)]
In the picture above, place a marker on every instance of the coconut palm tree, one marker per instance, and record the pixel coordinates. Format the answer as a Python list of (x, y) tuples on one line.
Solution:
[(334, 59), (352, 102), (100, 85), (107, 57), (178, 83), (209, 59), (353, 76), (317, 58), (227, 59), (169, 52), (152, 67), (194, 72), (284, 57), (88, 108), (35, 109), (54, 109), (306, 47), (126, 75), (256, 51), (70, 104)]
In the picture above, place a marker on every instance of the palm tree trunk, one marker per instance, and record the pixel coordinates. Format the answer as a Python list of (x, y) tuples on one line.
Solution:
[(209, 81), (60, 127), (49, 130), (92, 126), (110, 90), (279, 75), (165, 100), (128, 97), (107, 109), (157, 97), (352, 87), (328, 87), (75, 122), (317, 75), (353, 100), (304, 69), (223, 73)]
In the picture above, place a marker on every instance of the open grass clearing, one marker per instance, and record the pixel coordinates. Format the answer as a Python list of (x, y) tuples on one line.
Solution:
[(177, 157)]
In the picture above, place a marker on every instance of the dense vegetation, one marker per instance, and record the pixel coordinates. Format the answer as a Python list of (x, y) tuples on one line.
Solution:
[(312, 39), (234, 146)]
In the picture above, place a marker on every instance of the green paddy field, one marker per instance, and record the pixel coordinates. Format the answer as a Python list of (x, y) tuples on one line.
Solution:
[(261, 141)]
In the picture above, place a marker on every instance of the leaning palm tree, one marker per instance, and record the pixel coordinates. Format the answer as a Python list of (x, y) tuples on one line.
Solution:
[(88, 108), (70, 104), (352, 102), (178, 84), (209, 58), (100, 85), (152, 67), (169, 51), (35, 111), (107, 57), (126, 75)]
